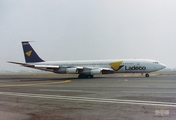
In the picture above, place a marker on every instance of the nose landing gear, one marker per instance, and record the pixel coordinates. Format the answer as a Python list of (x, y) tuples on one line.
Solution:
[(146, 75)]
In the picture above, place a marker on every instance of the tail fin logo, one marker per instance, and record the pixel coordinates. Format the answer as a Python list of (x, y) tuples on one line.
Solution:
[(29, 53)]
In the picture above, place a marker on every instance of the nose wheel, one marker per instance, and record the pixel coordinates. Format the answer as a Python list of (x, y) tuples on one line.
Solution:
[(146, 75)]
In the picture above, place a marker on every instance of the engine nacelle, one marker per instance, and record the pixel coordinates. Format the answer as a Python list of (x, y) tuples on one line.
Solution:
[(96, 72), (92, 72), (66, 70), (71, 70)]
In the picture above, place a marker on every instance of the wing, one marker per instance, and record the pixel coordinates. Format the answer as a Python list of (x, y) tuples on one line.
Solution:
[(51, 68), (67, 69), (35, 66)]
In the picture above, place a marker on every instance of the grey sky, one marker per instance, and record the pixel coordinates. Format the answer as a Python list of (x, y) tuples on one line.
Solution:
[(88, 29)]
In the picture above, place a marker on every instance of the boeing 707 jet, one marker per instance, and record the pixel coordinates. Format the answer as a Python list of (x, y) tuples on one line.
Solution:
[(88, 68)]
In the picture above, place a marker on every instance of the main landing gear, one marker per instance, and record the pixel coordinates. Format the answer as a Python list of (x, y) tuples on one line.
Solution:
[(146, 75), (85, 76)]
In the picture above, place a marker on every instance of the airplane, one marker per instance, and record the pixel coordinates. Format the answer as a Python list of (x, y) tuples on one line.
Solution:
[(88, 68)]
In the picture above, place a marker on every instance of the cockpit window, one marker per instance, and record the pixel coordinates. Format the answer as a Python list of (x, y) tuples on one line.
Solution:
[(155, 62)]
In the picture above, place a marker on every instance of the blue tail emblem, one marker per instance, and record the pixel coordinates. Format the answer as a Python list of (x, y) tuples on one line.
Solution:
[(29, 53)]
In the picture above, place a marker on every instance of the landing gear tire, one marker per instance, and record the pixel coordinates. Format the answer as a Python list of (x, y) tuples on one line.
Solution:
[(81, 76), (85, 76), (146, 75), (91, 76)]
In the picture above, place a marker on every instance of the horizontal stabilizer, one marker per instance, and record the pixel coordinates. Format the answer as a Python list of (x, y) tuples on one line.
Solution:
[(36, 66), (23, 64)]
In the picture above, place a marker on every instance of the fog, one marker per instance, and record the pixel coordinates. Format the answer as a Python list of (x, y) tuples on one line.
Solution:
[(88, 29)]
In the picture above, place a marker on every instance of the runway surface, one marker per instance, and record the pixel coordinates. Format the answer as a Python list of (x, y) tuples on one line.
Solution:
[(35, 97)]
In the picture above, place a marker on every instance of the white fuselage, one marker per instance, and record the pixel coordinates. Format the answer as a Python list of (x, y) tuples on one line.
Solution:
[(88, 68), (128, 65)]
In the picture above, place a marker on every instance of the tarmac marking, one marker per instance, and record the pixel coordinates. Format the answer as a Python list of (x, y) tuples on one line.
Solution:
[(61, 90), (87, 99), (151, 92), (54, 90), (36, 84)]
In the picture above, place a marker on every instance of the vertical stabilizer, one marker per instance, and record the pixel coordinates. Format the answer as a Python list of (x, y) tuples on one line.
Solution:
[(29, 53)]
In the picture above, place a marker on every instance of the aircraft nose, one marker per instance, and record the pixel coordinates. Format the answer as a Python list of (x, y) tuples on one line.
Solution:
[(161, 66)]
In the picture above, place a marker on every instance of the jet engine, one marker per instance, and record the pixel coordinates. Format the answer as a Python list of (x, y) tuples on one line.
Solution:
[(66, 70), (92, 72)]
